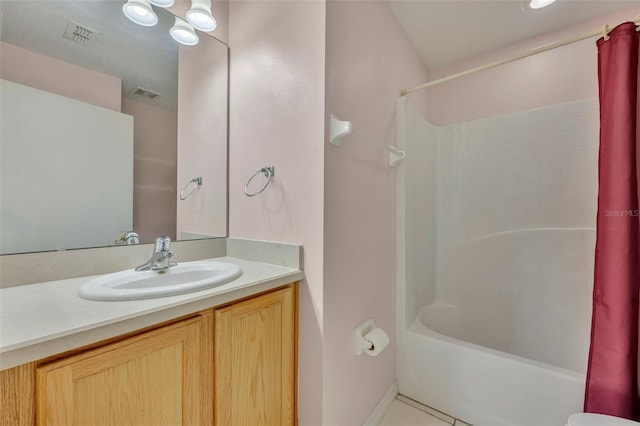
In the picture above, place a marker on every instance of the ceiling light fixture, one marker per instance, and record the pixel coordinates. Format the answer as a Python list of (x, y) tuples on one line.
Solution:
[(184, 33), (162, 3), (539, 4), (140, 12), (200, 15)]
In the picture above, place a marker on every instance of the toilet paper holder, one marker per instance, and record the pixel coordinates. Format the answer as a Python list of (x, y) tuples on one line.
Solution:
[(362, 344)]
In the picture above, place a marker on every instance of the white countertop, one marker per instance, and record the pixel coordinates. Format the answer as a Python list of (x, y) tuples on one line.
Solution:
[(44, 319)]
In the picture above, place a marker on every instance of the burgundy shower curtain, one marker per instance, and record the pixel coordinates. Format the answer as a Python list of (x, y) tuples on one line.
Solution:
[(612, 377)]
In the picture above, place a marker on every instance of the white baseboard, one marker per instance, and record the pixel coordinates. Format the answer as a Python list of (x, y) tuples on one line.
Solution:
[(383, 406)]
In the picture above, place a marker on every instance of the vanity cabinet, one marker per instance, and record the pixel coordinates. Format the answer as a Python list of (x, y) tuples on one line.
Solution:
[(150, 379), (255, 371), (229, 365)]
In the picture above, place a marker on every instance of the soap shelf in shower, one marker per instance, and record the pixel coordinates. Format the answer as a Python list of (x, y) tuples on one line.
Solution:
[(338, 129)]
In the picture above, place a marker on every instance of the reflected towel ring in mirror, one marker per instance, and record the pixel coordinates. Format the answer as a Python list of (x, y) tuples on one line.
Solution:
[(268, 172), (197, 181)]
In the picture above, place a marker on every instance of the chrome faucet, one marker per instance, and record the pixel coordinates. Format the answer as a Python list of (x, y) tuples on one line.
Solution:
[(128, 238), (161, 257)]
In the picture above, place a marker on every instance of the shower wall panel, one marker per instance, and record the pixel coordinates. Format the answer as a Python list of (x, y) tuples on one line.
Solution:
[(516, 216), (420, 165)]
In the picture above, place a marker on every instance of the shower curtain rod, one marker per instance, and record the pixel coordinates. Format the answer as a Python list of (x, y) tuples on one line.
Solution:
[(604, 31)]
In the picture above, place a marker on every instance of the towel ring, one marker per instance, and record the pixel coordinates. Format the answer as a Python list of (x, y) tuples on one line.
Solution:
[(197, 181), (268, 172)]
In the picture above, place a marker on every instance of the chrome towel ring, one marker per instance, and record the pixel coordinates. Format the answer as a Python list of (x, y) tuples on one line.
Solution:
[(197, 181), (268, 172)]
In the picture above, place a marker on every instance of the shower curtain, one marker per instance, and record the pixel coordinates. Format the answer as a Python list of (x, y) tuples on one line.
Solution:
[(612, 376)]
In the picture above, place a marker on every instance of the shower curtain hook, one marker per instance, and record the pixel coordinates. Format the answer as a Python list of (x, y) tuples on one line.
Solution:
[(605, 32)]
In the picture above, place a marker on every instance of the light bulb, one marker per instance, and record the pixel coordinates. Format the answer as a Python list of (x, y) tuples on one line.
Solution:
[(140, 12), (183, 33), (200, 15), (162, 3), (539, 4)]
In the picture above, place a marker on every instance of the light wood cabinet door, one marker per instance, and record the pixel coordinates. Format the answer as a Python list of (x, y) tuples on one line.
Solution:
[(155, 378), (255, 361)]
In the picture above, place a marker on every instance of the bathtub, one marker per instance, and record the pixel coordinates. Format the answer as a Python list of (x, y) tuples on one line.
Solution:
[(480, 385)]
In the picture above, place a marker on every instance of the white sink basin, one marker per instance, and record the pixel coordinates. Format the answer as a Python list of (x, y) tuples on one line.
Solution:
[(183, 278)]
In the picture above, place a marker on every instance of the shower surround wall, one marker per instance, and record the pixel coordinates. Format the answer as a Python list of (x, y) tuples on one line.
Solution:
[(497, 243), (516, 208)]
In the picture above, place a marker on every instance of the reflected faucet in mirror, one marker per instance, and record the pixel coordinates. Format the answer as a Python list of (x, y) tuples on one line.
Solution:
[(161, 257), (127, 238)]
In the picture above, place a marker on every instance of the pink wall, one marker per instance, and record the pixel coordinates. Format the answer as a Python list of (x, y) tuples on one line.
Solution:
[(369, 60), (154, 171), (26, 67), (562, 75), (202, 137), (277, 118)]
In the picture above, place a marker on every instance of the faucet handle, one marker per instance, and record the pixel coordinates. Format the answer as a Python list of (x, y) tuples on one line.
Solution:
[(169, 255), (121, 238), (162, 244)]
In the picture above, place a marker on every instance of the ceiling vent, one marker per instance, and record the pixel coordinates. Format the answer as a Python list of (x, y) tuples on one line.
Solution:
[(80, 34), (139, 91)]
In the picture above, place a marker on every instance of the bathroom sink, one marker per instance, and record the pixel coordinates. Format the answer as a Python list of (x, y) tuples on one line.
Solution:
[(183, 278)]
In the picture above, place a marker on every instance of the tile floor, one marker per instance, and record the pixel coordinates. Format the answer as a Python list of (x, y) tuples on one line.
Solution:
[(407, 412)]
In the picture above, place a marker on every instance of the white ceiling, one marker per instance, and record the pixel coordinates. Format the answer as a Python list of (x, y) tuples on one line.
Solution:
[(446, 31), (140, 56)]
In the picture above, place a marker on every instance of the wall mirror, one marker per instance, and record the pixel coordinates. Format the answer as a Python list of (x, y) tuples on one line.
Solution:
[(104, 125)]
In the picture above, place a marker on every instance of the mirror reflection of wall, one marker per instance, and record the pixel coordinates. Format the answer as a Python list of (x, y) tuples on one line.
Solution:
[(202, 132), (60, 196), (120, 69)]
